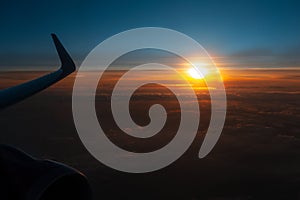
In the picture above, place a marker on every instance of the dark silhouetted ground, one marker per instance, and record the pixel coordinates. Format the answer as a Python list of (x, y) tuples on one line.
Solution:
[(257, 156)]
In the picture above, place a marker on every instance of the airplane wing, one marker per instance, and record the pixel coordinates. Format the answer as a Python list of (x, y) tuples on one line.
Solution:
[(20, 92)]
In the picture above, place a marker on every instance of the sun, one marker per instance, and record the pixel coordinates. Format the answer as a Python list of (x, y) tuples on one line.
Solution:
[(195, 74)]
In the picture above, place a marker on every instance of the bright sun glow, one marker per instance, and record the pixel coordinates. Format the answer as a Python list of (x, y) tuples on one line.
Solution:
[(195, 74)]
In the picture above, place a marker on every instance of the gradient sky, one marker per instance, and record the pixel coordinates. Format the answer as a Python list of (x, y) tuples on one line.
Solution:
[(237, 33)]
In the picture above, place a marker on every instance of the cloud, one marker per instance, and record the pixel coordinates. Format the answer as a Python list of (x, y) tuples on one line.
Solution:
[(253, 52), (262, 58)]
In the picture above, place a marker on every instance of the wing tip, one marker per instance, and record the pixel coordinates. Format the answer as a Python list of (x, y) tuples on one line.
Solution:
[(67, 64)]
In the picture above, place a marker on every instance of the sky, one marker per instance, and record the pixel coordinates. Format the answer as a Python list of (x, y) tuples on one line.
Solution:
[(236, 33)]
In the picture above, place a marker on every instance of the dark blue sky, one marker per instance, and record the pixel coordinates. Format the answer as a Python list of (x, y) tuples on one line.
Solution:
[(241, 33)]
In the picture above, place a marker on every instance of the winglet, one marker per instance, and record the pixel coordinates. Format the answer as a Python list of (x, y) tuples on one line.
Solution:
[(67, 64)]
